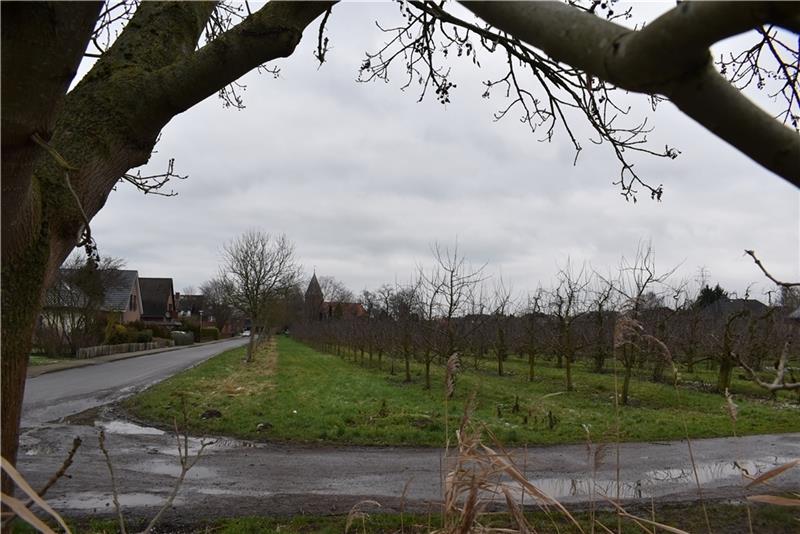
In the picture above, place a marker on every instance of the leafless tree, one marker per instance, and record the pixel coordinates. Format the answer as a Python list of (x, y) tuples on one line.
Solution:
[(639, 282), (447, 288), (216, 299), (534, 328), (782, 366), (334, 290), (258, 268), (568, 303), (71, 315), (501, 308), (603, 303)]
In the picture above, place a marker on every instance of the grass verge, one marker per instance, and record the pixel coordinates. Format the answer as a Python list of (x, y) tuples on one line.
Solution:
[(45, 360), (298, 394), (728, 518)]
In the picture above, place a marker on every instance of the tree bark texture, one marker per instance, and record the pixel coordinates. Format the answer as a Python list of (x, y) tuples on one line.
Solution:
[(106, 125)]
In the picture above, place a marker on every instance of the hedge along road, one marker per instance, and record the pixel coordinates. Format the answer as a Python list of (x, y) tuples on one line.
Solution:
[(53, 396), (246, 478)]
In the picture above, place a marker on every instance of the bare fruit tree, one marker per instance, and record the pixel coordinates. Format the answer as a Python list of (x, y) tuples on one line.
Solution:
[(569, 303), (258, 268), (638, 284), (780, 381)]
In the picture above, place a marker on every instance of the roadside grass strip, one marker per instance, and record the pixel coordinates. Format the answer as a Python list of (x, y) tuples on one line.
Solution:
[(292, 392), (727, 518)]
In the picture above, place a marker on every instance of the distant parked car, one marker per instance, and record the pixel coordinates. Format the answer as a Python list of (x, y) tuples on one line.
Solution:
[(245, 333)]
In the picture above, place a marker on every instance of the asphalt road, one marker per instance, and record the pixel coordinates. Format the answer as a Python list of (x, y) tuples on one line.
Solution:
[(53, 396), (244, 478), (247, 478)]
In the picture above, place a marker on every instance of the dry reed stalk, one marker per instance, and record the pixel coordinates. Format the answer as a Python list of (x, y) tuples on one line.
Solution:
[(733, 414), (403, 504), (639, 520), (772, 473), (764, 478), (357, 513), (22, 510), (101, 438), (629, 332), (480, 473)]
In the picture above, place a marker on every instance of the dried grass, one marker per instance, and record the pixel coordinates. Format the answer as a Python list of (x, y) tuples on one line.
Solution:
[(478, 474), (247, 379)]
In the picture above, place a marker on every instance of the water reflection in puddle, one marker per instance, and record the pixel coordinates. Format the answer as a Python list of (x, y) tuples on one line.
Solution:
[(97, 501), (173, 469), (132, 429), (653, 483), (236, 492), (128, 429), (716, 471)]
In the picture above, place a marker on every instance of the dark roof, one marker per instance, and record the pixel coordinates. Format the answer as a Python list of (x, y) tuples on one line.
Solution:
[(726, 307), (155, 295), (64, 293), (314, 290), (118, 292)]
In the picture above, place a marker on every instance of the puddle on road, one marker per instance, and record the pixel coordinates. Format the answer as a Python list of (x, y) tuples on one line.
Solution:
[(653, 483), (128, 429), (99, 501), (173, 469), (239, 493), (716, 471)]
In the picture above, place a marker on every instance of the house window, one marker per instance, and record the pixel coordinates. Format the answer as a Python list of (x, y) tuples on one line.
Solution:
[(133, 303)]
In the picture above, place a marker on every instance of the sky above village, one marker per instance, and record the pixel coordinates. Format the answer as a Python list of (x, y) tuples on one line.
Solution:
[(364, 179)]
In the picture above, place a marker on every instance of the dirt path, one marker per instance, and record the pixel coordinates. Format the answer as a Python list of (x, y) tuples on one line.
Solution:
[(244, 478)]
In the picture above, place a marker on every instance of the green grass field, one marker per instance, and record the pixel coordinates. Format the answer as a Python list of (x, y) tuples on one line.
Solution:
[(45, 360), (727, 518), (305, 396)]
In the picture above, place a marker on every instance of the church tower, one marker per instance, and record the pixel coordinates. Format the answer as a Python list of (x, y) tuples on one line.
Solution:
[(313, 300)]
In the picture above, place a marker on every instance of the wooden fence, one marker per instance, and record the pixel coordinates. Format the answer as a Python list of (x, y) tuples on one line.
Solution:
[(105, 350)]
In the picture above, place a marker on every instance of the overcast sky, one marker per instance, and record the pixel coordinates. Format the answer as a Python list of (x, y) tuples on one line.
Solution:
[(363, 179)]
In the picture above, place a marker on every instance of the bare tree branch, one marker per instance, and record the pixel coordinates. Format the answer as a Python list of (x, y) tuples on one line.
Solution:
[(752, 254), (652, 60)]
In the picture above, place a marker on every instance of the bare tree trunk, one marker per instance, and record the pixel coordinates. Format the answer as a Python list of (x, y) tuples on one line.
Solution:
[(42, 45), (726, 367), (568, 360), (251, 345), (531, 363), (427, 373), (626, 383)]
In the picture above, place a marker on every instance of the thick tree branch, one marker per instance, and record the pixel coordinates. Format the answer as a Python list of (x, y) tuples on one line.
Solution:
[(653, 61), (712, 101), (41, 49), (272, 32)]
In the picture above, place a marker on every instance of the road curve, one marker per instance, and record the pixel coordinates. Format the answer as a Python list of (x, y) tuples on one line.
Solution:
[(247, 478), (52, 396)]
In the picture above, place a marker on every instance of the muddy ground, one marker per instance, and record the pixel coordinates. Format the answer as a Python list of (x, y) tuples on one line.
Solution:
[(239, 478)]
